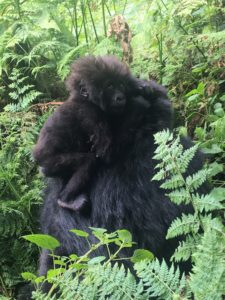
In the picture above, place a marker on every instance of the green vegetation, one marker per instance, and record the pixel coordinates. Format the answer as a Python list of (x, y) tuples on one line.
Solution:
[(178, 43), (96, 278)]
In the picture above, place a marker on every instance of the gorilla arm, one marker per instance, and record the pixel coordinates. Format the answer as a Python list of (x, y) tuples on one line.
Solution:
[(73, 122)]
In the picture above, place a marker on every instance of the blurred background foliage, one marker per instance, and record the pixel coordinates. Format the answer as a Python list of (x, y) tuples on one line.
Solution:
[(178, 43)]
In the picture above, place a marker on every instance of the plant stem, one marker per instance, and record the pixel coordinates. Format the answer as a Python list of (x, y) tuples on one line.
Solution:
[(92, 21), (103, 17), (76, 22), (108, 9), (84, 20), (125, 4), (160, 47)]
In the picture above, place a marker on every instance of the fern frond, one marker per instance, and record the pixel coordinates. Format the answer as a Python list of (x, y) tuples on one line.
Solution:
[(12, 222), (184, 225), (63, 66), (207, 203), (11, 107), (160, 175), (208, 278), (162, 138), (179, 196), (196, 180), (101, 282), (174, 182), (215, 224), (186, 248), (14, 95), (25, 88), (186, 158), (185, 7), (22, 93), (45, 47), (159, 280), (29, 98)]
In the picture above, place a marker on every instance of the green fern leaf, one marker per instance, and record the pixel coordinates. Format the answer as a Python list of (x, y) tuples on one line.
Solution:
[(197, 179), (184, 225), (186, 158), (180, 196), (101, 282), (14, 95), (159, 280), (186, 248), (208, 278), (207, 203), (25, 89), (176, 181)]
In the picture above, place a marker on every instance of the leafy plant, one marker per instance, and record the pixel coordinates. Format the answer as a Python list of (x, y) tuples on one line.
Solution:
[(180, 44), (20, 195), (99, 278), (21, 93), (204, 231)]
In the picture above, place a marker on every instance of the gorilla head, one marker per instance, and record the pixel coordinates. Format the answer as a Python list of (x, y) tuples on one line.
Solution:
[(103, 80)]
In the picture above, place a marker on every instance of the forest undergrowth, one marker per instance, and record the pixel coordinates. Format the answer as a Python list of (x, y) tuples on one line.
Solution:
[(180, 44)]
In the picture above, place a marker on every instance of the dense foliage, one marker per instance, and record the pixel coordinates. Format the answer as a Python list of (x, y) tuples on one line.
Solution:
[(178, 43), (97, 278)]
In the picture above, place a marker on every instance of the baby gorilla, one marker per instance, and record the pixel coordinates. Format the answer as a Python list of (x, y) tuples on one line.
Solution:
[(78, 135)]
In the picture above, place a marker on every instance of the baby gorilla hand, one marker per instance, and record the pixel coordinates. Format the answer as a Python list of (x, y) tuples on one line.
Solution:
[(144, 88), (149, 89), (101, 143)]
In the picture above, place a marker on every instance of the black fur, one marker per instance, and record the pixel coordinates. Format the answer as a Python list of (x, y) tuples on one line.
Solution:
[(78, 134), (122, 193)]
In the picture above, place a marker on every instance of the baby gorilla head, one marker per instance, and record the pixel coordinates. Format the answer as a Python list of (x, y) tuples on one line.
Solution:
[(102, 80)]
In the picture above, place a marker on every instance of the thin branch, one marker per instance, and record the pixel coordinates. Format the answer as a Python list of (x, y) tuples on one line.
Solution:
[(76, 22), (125, 4), (84, 19), (108, 9), (185, 31), (92, 21), (103, 16)]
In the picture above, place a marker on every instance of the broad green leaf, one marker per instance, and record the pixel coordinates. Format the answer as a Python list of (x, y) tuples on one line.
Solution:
[(55, 272), (73, 257), (28, 276), (39, 279), (124, 237), (215, 148), (218, 193), (79, 232), (98, 232), (215, 168), (96, 260), (43, 240), (193, 98), (141, 254), (78, 266), (59, 262), (200, 88)]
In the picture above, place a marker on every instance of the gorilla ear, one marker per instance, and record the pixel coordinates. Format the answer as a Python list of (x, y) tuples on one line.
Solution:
[(83, 89)]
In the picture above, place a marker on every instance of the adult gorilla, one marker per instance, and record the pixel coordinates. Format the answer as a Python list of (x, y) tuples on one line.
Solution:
[(121, 194)]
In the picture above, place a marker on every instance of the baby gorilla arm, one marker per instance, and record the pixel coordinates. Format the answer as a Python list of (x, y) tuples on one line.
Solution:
[(92, 121), (71, 196), (60, 150)]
